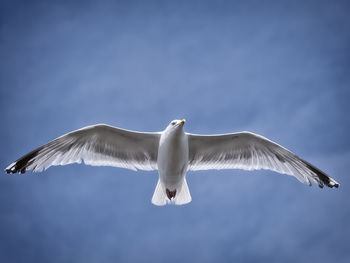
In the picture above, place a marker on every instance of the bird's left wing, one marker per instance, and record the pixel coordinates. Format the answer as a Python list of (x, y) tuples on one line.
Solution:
[(249, 151), (98, 145)]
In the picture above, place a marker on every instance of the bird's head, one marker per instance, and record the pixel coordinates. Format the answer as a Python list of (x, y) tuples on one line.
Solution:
[(176, 125)]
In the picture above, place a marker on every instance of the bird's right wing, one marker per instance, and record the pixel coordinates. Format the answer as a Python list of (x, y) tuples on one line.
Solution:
[(98, 145), (249, 151)]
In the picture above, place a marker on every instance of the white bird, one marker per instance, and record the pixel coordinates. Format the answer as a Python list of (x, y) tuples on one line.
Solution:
[(173, 152)]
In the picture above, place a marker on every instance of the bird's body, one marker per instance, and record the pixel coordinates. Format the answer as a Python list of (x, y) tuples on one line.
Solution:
[(172, 160), (172, 152)]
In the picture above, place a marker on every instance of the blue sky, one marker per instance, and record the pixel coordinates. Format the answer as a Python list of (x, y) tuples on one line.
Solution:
[(277, 68)]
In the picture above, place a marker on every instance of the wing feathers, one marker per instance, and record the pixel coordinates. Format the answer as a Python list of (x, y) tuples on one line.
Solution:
[(95, 145), (250, 151)]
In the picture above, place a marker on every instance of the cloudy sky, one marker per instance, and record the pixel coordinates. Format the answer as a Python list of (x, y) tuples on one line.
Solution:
[(277, 68)]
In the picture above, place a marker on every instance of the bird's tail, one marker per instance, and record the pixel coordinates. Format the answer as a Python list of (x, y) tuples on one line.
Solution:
[(159, 197), (182, 197)]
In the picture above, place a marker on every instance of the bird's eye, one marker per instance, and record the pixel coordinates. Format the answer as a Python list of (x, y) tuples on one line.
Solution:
[(173, 122)]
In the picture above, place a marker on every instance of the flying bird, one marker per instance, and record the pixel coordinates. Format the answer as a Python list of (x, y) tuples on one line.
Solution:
[(172, 152)]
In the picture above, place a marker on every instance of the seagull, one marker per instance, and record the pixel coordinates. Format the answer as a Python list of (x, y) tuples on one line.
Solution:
[(172, 152)]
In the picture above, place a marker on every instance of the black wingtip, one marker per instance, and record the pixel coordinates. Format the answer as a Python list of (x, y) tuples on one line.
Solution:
[(21, 165), (11, 169), (14, 168), (334, 184), (324, 178)]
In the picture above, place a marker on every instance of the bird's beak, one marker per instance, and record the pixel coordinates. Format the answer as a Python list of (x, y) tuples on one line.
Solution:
[(182, 122)]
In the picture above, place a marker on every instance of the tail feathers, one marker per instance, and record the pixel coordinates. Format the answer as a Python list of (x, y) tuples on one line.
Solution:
[(182, 197), (159, 197)]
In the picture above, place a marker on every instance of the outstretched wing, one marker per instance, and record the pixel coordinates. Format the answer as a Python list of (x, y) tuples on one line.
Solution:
[(99, 145), (249, 151)]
